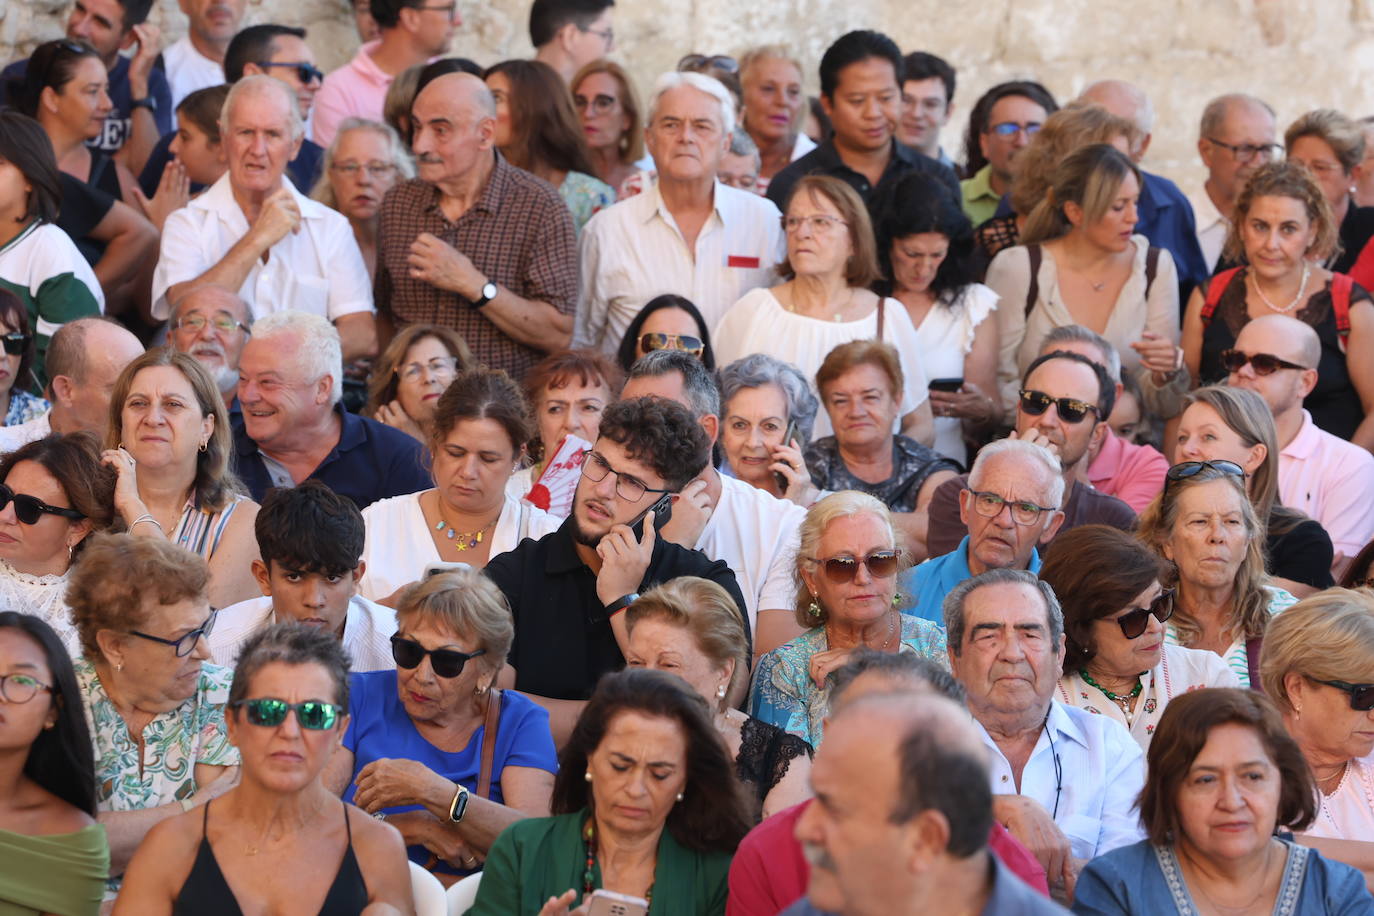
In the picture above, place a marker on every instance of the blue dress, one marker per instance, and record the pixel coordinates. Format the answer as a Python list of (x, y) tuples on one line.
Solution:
[(379, 728), (1145, 880)]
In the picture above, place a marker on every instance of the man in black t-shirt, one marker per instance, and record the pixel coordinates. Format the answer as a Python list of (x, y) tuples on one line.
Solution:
[(568, 589)]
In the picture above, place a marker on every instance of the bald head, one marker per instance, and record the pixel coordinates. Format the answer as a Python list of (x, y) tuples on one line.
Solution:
[(1285, 388), (460, 92), (1125, 100), (212, 298), (454, 121), (84, 360)]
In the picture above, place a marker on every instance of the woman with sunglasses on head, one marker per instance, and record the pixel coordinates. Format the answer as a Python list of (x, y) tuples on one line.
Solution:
[(17, 405), (1205, 525), (1116, 661), (279, 841), (361, 164), (847, 564), (55, 855), (154, 702), (1281, 230), (824, 300), (1080, 261), (53, 495), (666, 322), (480, 427), (435, 747), (410, 375), (608, 110), (773, 98), (1235, 424)]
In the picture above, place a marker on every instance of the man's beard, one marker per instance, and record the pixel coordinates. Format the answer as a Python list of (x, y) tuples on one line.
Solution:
[(582, 537)]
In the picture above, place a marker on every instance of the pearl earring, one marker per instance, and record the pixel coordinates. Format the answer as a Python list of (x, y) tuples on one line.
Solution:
[(679, 796), (720, 692), (587, 776)]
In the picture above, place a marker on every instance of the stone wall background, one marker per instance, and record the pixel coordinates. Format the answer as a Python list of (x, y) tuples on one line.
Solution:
[(1296, 54)]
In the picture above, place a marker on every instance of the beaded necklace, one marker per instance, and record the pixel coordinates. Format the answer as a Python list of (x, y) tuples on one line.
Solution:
[(1122, 700), (589, 871)]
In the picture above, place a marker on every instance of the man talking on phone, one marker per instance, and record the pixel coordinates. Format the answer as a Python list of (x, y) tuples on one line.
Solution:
[(567, 590)]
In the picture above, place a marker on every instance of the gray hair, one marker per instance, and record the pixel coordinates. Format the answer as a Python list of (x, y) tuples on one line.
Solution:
[(741, 144), (703, 397), (1076, 333), (760, 369), (1216, 111), (1027, 453), (957, 598), (319, 353), (396, 154), (713, 87), (256, 84)]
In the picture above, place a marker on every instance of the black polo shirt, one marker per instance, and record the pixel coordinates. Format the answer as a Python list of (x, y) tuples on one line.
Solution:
[(563, 639), (825, 160)]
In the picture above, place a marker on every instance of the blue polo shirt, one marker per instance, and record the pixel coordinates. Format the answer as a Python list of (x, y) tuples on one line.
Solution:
[(924, 587), (371, 461)]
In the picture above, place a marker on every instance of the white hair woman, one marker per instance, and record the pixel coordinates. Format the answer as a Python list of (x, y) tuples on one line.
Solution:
[(360, 166)]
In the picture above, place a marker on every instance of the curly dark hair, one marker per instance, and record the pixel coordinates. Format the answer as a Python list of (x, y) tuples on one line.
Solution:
[(919, 203), (660, 433), (712, 816)]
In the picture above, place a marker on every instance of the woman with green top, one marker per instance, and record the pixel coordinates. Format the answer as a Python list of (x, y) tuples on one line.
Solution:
[(55, 854), (646, 806)]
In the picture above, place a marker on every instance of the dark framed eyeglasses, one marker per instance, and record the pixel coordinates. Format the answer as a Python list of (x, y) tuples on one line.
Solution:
[(595, 468), (1361, 695), (446, 663), (1071, 410), (15, 343), (1135, 622), (20, 688), (269, 712), (183, 645), (882, 564), (684, 342), (607, 34), (1185, 469), (1244, 152), (222, 322), (1262, 363), (1023, 512), (29, 509), (306, 72)]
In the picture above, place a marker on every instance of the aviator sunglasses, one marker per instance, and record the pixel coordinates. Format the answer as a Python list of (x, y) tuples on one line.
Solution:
[(316, 715), (1034, 403), (685, 342), (881, 564), (29, 509), (446, 663), (1137, 621)]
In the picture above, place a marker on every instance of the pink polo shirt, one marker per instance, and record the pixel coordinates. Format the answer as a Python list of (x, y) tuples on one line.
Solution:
[(1333, 482), (355, 90), (1132, 473)]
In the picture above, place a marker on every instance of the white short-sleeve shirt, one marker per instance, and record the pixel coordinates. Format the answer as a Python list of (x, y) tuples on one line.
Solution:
[(316, 269), (189, 70), (756, 534), (368, 628), (944, 338)]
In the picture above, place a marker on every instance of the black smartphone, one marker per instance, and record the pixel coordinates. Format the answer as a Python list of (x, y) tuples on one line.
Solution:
[(662, 510), (950, 385), (788, 435)]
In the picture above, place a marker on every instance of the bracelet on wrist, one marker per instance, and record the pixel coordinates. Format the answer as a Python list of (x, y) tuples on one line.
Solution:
[(148, 517)]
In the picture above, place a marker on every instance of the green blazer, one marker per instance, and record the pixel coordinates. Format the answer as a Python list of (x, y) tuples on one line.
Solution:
[(542, 857)]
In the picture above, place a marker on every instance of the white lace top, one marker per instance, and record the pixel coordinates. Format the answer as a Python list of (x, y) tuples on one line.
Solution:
[(42, 596)]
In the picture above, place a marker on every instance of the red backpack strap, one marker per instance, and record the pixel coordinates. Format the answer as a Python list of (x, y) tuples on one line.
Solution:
[(1341, 288), (1036, 255), (1215, 287)]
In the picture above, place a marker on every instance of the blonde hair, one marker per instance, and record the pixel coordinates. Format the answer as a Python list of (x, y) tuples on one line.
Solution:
[(1247, 415), (844, 504), (1343, 135), (1090, 177), (1250, 595), (1292, 180), (708, 613), (1326, 637), (1074, 126), (464, 602)]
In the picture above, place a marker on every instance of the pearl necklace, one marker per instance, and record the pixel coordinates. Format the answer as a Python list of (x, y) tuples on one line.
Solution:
[(1302, 291)]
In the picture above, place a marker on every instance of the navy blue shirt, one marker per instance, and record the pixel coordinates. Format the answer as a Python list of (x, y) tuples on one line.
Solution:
[(1166, 219), (118, 124), (371, 461), (825, 160), (303, 170)]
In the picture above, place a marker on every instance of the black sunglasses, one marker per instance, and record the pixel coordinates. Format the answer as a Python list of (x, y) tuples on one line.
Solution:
[(1185, 469), (446, 662), (316, 715), (1263, 363), (29, 509), (1137, 621), (305, 72), (881, 565), (1361, 695), (183, 645), (15, 343), (1071, 410)]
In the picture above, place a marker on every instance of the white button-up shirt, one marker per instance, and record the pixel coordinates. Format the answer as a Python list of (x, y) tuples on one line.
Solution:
[(1212, 227), (634, 251), (368, 629), (316, 269), (1101, 770)]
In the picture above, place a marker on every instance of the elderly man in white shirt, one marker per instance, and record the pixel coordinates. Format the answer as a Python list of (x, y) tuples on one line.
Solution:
[(1065, 781), (1236, 137), (688, 233), (254, 233)]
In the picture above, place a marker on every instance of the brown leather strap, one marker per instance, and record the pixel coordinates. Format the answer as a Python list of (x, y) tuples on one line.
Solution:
[(1035, 254), (881, 302), (1151, 268), (489, 726), (1253, 647)]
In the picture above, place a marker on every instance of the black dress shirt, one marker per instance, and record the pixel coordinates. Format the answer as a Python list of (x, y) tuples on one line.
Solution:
[(825, 160)]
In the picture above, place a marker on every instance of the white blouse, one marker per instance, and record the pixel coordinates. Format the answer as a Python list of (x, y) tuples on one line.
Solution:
[(41, 596), (758, 323), (944, 338), (1348, 812)]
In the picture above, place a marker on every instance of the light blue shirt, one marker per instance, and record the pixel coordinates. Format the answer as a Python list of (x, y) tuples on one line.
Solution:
[(925, 586)]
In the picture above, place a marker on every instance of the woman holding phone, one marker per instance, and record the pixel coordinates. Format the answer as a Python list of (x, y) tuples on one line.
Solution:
[(767, 413)]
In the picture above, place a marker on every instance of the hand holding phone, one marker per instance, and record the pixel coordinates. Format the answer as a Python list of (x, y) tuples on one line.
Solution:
[(625, 552), (788, 437)]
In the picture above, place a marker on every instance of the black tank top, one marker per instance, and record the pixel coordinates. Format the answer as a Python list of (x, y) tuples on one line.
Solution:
[(206, 893)]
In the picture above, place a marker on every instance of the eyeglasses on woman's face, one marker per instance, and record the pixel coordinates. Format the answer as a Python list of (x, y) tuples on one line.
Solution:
[(440, 367), (20, 688), (183, 645), (1361, 695)]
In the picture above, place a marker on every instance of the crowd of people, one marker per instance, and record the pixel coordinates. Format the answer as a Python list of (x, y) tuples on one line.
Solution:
[(693, 499)]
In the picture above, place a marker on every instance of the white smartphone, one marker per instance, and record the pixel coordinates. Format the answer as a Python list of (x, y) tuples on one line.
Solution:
[(609, 903)]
